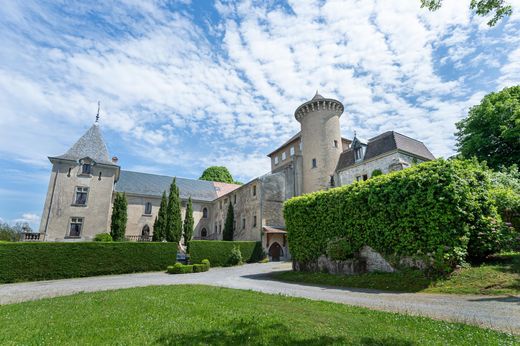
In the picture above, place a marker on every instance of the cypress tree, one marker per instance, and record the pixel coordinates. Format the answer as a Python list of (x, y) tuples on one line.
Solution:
[(228, 226), (188, 223), (119, 217), (173, 232), (159, 227)]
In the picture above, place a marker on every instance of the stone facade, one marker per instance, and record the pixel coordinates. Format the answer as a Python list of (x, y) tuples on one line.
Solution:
[(60, 207), (386, 163)]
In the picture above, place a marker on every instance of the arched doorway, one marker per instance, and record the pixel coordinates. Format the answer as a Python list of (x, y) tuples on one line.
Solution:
[(145, 233), (203, 233), (275, 252)]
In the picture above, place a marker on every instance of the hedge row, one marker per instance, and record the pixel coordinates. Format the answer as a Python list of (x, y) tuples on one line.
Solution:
[(218, 252), (44, 261), (179, 268), (440, 210)]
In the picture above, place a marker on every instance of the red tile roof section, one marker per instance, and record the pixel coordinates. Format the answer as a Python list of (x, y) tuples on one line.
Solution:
[(224, 188)]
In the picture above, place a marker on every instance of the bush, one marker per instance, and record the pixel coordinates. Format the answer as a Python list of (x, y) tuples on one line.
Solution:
[(179, 268), (376, 172), (432, 210), (218, 251), (46, 261), (206, 263), (103, 237), (340, 249), (199, 268), (235, 257)]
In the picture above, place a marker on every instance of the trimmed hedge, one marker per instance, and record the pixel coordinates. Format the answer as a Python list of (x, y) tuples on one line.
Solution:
[(219, 251), (430, 211), (179, 268), (45, 261)]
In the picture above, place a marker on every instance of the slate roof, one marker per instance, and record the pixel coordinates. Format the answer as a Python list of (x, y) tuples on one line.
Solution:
[(154, 185), (384, 143), (91, 145)]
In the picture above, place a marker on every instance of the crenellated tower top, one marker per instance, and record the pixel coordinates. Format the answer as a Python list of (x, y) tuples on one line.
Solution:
[(318, 103)]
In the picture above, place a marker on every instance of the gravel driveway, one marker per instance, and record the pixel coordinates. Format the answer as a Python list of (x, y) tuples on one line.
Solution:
[(497, 312)]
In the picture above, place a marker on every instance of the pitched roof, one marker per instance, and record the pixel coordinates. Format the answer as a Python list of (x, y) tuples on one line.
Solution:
[(384, 143), (91, 145), (224, 188), (154, 185)]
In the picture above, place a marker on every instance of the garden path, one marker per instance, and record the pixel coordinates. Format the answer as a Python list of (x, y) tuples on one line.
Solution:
[(496, 312)]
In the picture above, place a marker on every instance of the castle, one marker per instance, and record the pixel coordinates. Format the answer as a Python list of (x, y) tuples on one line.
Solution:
[(84, 180)]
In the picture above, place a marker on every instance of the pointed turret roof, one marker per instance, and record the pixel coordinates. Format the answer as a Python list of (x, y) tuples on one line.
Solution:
[(91, 145)]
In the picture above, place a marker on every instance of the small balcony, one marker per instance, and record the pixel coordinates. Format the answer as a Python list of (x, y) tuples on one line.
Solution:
[(26, 236)]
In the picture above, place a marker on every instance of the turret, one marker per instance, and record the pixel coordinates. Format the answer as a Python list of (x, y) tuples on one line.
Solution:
[(321, 138)]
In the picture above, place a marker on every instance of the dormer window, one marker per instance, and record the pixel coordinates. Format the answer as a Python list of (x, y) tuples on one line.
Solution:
[(359, 153), (86, 168)]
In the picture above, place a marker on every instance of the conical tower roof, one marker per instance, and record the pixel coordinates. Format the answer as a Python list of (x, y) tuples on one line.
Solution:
[(91, 145)]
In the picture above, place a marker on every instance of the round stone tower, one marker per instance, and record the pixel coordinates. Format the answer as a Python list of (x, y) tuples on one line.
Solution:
[(321, 139)]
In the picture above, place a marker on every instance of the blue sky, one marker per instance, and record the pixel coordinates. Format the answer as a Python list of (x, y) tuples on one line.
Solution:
[(185, 85)]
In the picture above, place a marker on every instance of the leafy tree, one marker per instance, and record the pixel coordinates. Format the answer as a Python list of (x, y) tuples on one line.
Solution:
[(499, 8), (119, 217), (217, 173), (188, 223), (173, 229), (228, 226), (492, 129), (159, 226), (14, 233)]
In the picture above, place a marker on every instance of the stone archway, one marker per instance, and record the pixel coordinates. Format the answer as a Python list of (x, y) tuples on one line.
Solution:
[(275, 252)]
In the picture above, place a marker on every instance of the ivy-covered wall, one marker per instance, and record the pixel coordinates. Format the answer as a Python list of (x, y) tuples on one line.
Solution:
[(432, 210)]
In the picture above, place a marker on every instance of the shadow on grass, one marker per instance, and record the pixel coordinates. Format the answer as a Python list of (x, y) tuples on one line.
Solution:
[(376, 283), (261, 333)]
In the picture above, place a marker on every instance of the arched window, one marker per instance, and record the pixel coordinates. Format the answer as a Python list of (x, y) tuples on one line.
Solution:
[(146, 231), (205, 213), (203, 233)]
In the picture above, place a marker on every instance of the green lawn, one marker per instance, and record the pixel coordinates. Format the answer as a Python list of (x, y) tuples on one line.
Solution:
[(499, 275), (201, 315)]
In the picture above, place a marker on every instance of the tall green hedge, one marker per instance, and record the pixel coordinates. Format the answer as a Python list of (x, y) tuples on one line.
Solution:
[(44, 261), (433, 209), (218, 252)]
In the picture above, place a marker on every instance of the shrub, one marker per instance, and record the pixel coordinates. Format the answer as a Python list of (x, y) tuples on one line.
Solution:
[(198, 268), (340, 249), (179, 268), (376, 172), (103, 237), (433, 209), (46, 261), (206, 263), (218, 252), (235, 257)]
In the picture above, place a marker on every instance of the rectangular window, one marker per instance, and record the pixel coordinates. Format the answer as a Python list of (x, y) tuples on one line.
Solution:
[(358, 154), (220, 205), (81, 195), (276, 160), (314, 163), (219, 228), (301, 146), (86, 168), (225, 201), (243, 223), (235, 199), (358, 178), (216, 228), (291, 151), (254, 190), (335, 143), (148, 208), (365, 177), (254, 221), (284, 155), (76, 224)]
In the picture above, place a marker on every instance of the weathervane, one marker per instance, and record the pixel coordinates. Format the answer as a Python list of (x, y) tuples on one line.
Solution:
[(97, 115)]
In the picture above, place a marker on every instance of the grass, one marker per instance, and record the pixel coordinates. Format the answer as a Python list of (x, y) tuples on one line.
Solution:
[(201, 315), (499, 275)]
